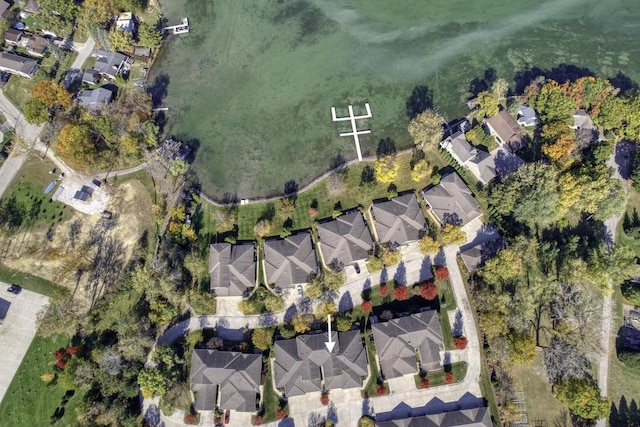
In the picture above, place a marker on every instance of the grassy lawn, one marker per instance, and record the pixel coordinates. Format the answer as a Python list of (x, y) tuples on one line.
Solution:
[(27, 189), (459, 370), (89, 63), (541, 405), (270, 399), (29, 401), (318, 196), (18, 89), (29, 281), (372, 384)]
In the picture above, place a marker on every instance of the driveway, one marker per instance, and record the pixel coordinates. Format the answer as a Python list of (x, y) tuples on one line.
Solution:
[(17, 331), (84, 50)]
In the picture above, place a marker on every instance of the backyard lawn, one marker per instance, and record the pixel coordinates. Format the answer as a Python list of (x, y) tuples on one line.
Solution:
[(29, 281), (29, 401)]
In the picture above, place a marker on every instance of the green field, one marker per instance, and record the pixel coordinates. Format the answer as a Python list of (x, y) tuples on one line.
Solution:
[(252, 84)]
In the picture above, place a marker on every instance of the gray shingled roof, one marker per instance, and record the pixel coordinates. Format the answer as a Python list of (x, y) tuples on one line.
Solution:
[(475, 256), (235, 376), (399, 220), (109, 63), (290, 261), (582, 120), (345, 239), (397, 340), (232, 268), (477, 417), (482, 166), (95, 99), (452, 201), (299, 361), (19, 64), (458, 146), (507, 129)]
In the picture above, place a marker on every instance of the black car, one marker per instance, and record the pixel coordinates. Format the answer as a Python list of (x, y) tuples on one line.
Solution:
[(14, 289)]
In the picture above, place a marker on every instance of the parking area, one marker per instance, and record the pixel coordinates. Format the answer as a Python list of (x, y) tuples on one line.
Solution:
[(17, 331)]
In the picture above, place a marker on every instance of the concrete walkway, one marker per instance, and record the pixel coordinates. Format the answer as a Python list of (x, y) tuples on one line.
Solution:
[(347, 406)]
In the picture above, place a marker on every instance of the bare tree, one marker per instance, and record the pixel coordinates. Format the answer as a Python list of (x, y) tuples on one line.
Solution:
[(564, 361), (336, 184)]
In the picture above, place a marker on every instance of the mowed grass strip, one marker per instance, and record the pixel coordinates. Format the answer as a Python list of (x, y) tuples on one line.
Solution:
[(29, 402)]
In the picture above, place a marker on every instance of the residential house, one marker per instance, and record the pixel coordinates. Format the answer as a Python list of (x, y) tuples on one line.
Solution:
[(90, 76), (32, 7), (480, 163), (304, 364), (225, 380), (232, 269), (37, 46), (12, 36), (398, 221), (290, 261), (582, 120), (476, 417), (451, 201), (4, 309), (110, 64), (475, 255), (4, 6), (125, 22), (344, 240), (409, 344), (20, 65), (95, 99), (527, 116), (506, 130)]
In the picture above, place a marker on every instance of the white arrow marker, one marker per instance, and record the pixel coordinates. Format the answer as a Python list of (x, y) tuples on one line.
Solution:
[(329, 344)]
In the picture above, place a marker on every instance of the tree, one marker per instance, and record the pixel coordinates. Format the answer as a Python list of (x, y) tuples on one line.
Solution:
[(343, 322), (460, 343), (325, 308), (503, 268), (391, 257), (152, 382), (441, 273), (553, 103), (336, 184), (489, 105), (97, 12), (428, 245), (493, 325), (428, 291), (384, 289), (61, 316), (247, 307), (178, 167), (420, 170), (386, 169), (51, 94), (149, 36), (426, 127), (35, 112), (401, 293), (274, 303), (76, 145), (453, 235), (499, 88), (65, 8), (583, 398), (560, 150), (366, 306), (130, 144), (287, 331), (563, 360), (262, 338), (333, 280), (301, 323), (523, 348), (262, 228), (449, 378)]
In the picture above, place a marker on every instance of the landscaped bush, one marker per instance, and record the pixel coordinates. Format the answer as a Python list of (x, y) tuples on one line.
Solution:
[(631, 292), (366, 306), (190, 419), (256, 420), (324, 399), (281, 413), (460, 343), (313, 212), (381, 390), (374, 264), (366, 421), (428, 291), (441, 273), (384, 290), (391, 258), (449, 378), (424, 382), (631, 359), (401, 293)]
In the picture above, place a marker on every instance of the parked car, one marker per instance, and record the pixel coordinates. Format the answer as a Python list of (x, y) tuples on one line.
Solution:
[(14, 289)]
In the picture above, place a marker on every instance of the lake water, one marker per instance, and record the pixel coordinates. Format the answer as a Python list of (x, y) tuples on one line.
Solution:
[(253, 82)]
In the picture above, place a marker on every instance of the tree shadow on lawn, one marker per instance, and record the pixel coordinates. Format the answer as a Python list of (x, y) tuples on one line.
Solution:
[(420, 99)]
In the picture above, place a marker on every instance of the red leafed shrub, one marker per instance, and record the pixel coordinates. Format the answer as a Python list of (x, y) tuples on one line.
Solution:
[(313, 212), (59, 354), (460, 343), (366, 306), (449, 378), (384, 289), (189, 419), (60, 364), (424, 383), (381, 390), (324, 399), (442, 273), (428, 291), (257, 420), (280, 414), (401, 293), (72, 350), (217, 420)]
